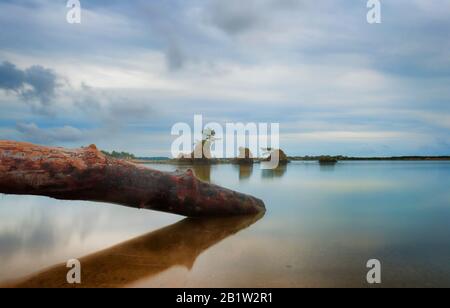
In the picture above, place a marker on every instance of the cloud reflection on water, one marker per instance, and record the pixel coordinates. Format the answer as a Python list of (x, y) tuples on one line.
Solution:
[(148, 255)]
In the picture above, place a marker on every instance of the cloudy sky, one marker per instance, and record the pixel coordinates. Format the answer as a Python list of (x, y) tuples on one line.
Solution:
[(132, 69)]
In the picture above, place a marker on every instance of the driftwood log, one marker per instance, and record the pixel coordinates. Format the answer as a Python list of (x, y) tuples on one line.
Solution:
[(87, 174)]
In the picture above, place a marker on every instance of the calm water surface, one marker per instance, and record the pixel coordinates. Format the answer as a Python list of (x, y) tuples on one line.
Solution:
[(321, 227)]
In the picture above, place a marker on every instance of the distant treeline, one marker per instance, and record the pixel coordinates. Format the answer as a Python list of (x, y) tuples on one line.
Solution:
[(153, 158), (341, 158), (119, 155), (129, 156)]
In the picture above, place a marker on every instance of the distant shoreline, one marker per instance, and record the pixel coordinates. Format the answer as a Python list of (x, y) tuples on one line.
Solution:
[(294, 158), (394, 158)]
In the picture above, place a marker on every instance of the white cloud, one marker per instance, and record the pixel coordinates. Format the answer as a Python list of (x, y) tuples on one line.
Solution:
[(316, 67)]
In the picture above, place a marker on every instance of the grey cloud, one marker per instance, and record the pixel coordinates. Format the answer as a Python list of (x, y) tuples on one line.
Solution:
[(11, 78), (34, 83), (175, 58), (234, 17), (43, 82), (34, 133)]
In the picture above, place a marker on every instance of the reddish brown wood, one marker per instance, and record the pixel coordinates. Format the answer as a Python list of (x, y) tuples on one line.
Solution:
[(87, 174)]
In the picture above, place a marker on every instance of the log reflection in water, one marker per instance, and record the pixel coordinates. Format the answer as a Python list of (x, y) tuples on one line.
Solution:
[(143, 257)]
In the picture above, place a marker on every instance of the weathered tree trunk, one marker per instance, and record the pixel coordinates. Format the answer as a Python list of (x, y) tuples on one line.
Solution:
[(87, 174)]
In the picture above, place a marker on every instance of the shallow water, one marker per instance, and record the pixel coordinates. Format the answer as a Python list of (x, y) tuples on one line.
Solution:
[(323, 223)]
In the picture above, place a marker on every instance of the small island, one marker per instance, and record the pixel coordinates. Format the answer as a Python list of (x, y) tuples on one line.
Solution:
[(327, 160)]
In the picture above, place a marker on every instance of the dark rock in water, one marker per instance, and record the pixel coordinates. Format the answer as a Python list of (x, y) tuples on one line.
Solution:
[(245, 157), (327, 160), (283, 158)]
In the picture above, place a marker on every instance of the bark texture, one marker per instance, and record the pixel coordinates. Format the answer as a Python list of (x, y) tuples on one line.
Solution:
[(87, 174)]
